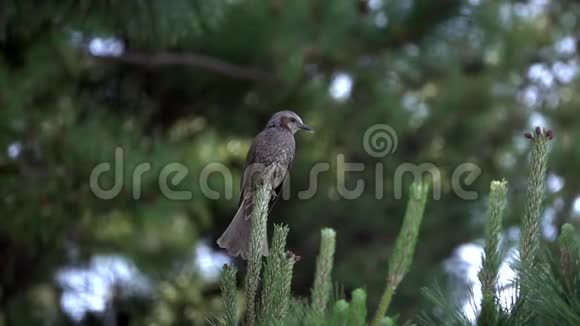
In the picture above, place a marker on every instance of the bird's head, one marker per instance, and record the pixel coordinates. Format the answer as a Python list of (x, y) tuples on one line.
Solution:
[(288, 120)]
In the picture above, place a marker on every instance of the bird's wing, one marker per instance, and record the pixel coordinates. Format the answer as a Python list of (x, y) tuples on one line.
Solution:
[(278, 189), (250, 158), (288, 166)]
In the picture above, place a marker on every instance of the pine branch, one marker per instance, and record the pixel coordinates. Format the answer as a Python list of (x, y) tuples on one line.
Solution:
[(257, 234), (491, 259), (286, 284), (194, 60), (229, 294), (531, 221), (340, 312), (358, 308), (404, 249), (277, 277), (322, 280), (535, 195), (568, 255), (553, 292), (384, 303), (387, 321), (273, 268)]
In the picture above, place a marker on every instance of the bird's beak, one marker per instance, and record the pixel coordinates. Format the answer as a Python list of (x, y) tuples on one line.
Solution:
[(306, 128)]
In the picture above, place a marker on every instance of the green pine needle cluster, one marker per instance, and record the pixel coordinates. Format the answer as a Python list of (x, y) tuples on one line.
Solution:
[(492, 258), (357, 313), (322, 281), (278, 307), (277, 277), (531, 221), (404, 249), (228, 286), (353, 313), (257, 234), (554, 282), (340, 312), (547, 280)]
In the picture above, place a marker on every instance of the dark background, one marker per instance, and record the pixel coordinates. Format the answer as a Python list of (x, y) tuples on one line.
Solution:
[(193, 82)]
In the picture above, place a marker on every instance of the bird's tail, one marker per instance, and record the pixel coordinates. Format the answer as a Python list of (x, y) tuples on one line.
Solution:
[(236, 237)]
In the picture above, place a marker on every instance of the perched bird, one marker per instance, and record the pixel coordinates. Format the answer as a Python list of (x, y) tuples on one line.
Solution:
[(268, 161)]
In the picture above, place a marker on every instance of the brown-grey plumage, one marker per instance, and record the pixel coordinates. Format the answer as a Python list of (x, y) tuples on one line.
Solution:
[(269, 159)]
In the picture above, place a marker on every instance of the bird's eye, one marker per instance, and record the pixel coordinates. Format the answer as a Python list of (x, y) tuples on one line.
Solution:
[(293, 119)]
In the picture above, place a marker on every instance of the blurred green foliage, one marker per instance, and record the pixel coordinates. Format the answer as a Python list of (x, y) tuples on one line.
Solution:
[(194, 80)]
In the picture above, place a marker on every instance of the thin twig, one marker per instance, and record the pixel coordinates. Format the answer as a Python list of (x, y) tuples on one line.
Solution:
[(190, 60)]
